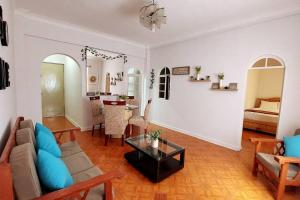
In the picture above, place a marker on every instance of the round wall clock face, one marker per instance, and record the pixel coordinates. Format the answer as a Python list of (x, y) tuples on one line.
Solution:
[(4, 39), (93, 79)]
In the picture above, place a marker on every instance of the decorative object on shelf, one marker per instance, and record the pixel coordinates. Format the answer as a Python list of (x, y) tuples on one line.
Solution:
[(152, 78), (207, 77), (197, 72), (113, 81), (4, 75), (120, 76), (154, 137), (221, 78), (233, 86), (181, 70), (98, 53), (215, 86), (152, 17), (123, 97)]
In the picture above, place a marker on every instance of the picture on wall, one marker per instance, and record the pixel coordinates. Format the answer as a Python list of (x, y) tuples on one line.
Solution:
[(181, 70), (4, 75)]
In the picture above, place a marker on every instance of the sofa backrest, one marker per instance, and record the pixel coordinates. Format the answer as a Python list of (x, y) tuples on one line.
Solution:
[(6, 183)]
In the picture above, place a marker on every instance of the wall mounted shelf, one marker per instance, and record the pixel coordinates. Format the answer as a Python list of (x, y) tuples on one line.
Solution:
[(223, 89), (200, 81)]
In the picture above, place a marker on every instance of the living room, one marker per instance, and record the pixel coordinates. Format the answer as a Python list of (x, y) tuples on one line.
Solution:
[(224, 39)]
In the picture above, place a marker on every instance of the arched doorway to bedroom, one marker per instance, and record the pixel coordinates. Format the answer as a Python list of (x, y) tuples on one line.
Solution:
[(61, 86), (263, 97)]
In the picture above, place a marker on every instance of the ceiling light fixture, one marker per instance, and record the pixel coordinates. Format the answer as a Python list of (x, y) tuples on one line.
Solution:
[(152, 17)]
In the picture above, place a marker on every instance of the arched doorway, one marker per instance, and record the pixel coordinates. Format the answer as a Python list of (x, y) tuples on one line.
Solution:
[(263, 97), (134, 83), (61, 87)]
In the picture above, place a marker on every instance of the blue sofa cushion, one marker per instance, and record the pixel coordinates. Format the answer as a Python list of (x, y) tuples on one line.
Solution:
[(47, 142), (53, 173), (40, 127), (292, 146)]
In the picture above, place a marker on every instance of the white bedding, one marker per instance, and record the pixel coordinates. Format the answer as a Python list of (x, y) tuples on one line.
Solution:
[(260, 116)]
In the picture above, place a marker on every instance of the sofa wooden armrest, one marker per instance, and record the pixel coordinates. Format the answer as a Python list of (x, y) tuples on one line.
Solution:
[(59, 133), (259, 141), (85, 186), (290, 160)]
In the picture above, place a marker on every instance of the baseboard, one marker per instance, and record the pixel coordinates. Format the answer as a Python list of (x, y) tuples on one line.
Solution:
[(72, 121), (201, 137)]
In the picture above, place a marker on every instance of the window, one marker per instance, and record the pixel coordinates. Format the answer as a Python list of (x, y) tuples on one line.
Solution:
[(134, 83), (267, 62), (164, 83)]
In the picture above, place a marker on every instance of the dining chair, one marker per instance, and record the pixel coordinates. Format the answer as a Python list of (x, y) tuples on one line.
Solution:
[(115, 119), (131, 100), (97, 115), (141, 121)]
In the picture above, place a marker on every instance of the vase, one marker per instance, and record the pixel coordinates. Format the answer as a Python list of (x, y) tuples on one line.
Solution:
[(220, 83), (154, 143), (198, 77)]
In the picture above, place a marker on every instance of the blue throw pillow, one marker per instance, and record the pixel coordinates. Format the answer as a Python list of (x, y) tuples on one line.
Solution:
[(47, 142), (40, 127), (292, 146), (53, 173)]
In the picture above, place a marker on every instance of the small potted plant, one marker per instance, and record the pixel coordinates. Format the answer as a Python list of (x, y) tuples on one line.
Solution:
[(221, 78), (198, 70), (154, 136), (123, 97)]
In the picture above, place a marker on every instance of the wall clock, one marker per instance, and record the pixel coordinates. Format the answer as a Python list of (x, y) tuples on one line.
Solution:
[(4, 35)]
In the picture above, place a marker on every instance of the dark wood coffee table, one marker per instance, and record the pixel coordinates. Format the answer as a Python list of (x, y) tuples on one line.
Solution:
[(155, 163)]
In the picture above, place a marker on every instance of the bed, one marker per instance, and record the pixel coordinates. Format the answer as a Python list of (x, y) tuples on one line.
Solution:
[(264, 116)]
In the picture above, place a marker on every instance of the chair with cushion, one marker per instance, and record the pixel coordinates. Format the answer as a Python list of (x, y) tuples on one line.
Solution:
[(97, 115), (27, 172), (282, 166), (133, 101), (115, 119), (141, 121)]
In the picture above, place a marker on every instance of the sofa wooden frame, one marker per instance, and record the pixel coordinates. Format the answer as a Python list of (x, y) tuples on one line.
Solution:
[(282, 181), (74, 192)]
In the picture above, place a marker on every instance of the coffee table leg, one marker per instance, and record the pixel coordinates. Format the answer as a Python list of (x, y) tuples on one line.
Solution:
[(182, 159), (157, 171)]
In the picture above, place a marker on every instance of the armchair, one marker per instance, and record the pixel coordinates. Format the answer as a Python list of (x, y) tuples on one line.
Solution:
[(284, 171)]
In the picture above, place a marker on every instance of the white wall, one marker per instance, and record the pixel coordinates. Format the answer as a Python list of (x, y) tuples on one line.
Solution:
[(217, 116), (263, 83), (36, 39), (7, 96), (73, 94)]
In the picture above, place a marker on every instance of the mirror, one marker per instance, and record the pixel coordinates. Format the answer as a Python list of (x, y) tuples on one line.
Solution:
[(105, 72)]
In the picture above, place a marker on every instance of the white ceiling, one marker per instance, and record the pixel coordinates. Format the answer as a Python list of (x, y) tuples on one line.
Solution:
[(185, 18)]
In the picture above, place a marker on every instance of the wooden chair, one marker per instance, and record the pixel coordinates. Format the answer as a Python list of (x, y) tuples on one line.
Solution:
[(97, 115), (115, 120), (281, 170)]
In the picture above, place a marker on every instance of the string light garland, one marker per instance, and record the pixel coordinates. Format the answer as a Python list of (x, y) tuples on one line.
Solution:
[(97, 53)]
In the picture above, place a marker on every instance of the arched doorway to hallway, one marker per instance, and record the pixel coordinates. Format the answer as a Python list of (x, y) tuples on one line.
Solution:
[(61, 88)]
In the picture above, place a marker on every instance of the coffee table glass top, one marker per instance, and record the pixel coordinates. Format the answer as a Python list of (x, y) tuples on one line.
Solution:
[(165, 148)]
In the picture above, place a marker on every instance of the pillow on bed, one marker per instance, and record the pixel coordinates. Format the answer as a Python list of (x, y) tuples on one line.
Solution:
[(269, 106)]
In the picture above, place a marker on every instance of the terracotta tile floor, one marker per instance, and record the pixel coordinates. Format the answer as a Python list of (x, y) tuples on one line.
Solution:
[(210, 172)]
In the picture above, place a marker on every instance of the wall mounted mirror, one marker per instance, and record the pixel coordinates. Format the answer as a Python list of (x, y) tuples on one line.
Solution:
[(105, 71)]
